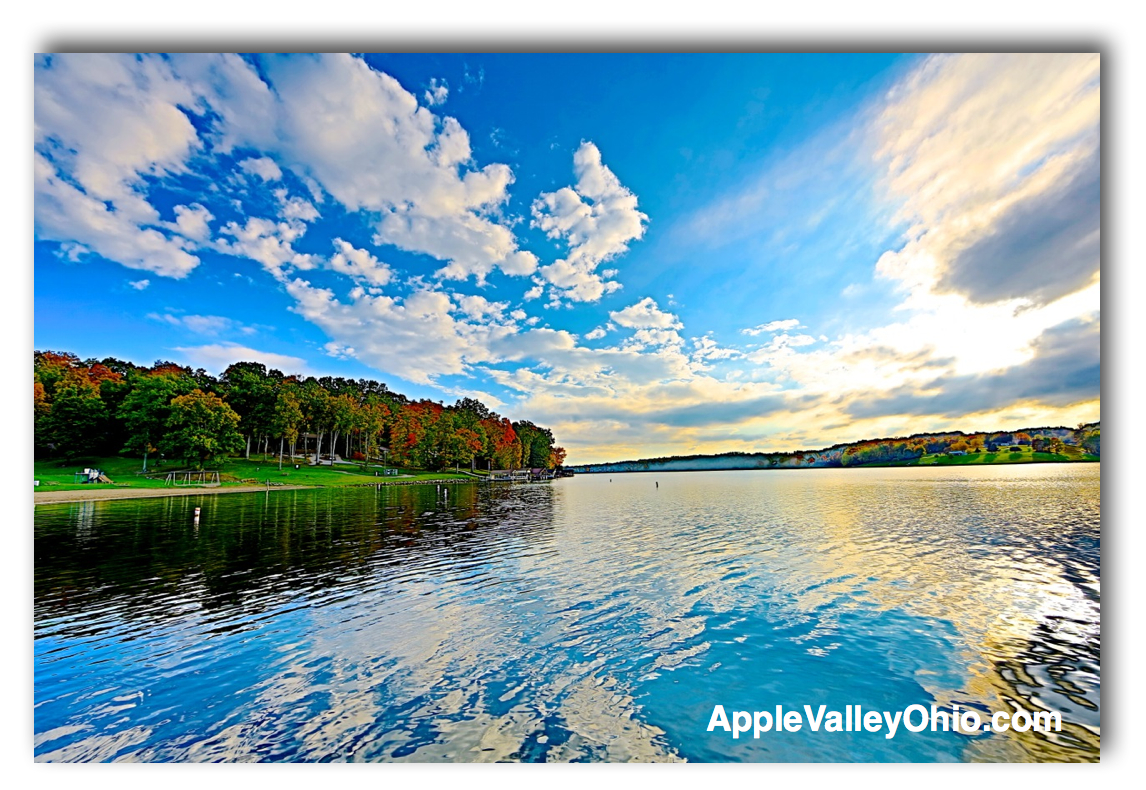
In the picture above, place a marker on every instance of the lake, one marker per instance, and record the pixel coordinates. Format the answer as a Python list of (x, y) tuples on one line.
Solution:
[(588, 619)]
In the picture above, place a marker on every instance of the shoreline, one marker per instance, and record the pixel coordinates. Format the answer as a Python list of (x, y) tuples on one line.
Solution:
[(54, 497), (805, 468)]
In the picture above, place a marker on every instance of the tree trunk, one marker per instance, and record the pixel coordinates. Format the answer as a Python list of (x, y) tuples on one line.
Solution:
[(333, 445), (318, 447), (280, 453), (248, 456)]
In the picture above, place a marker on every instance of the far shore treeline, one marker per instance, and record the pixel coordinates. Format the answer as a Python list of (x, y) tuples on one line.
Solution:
[(1050, 444), (107, 407)]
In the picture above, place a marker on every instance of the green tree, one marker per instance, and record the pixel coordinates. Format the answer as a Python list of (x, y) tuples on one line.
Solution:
[(75, 423), (250, 392), (201, 428), (1090, 437), (147, 407), (536, 444), (40, 411)]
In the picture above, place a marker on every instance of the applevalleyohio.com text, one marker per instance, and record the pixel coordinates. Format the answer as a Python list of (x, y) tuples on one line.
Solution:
[(853, 718)]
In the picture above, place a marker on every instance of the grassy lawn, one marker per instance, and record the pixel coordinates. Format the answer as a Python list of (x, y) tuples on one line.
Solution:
[(127, 473), (1005, 456)]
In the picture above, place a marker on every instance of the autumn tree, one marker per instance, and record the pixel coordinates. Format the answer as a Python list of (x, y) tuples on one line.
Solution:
[(116, 406), (50, 368), (343, 417), (502, 444), (371, 421), (286, 417), (315, 402)]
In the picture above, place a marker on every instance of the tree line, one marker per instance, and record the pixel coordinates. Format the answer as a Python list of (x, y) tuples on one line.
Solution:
[(1050, 440), (896, 449), (109, 406)]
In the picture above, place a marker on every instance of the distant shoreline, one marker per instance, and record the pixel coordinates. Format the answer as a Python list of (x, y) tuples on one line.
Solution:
[(580, 471)]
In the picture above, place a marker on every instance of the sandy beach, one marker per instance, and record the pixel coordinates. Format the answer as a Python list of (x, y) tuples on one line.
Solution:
[(51, 497)]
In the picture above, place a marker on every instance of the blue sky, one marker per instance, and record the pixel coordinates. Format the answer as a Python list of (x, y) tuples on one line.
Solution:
[(651, 254)]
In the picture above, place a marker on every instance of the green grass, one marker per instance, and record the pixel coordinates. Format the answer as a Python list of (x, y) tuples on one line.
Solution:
[(1024, 456), (127, 473)]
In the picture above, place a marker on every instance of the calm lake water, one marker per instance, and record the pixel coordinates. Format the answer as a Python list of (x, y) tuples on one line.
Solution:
[(592, 618)]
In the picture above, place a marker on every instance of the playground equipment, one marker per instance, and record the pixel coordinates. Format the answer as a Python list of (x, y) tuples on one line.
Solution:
[(183, 479)]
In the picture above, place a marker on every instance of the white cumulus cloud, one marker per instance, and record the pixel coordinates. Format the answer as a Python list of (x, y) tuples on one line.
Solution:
[(393, 158), (267, 242), (597, 219), (645, 314), (263, 166), (104, 123), (359, 264)]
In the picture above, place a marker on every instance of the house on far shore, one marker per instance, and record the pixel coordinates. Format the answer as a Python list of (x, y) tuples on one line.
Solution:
[(956, 452), (521, 475)]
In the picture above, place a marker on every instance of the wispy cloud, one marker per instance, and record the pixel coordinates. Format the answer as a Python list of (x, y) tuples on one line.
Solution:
[(771, 326), (995, 161), (203, 324), (437, 92)]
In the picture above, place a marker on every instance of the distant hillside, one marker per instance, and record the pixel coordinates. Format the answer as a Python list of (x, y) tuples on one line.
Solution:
[(1027, 445)]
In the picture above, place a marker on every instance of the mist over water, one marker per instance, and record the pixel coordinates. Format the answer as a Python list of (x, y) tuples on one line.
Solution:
[(594, 618)]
